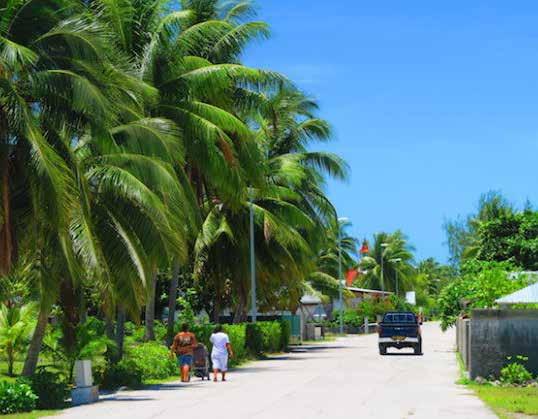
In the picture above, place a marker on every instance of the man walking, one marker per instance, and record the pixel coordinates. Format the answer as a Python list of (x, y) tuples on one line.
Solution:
[(183, 346)]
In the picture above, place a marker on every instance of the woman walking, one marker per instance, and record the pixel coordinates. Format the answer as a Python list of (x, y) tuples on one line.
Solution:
[(183, 346), (220, 352)]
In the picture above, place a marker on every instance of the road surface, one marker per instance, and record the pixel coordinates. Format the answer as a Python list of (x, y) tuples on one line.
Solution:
[(339, 380)]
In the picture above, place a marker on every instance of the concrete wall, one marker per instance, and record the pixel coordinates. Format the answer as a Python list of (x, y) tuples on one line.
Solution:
[(497, 334), (463, 340)]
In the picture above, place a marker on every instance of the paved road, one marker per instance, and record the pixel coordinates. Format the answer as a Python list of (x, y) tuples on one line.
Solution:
[(341, 380)]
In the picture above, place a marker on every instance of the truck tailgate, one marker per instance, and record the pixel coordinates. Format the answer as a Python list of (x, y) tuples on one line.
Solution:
[(398, 329)]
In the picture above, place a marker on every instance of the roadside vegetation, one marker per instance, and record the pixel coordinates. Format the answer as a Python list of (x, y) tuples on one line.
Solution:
[(493, 250), (133, 145), (515, 393)]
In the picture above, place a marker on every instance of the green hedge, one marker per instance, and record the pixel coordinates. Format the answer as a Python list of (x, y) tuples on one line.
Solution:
[(153, 360), (285, 335), (271, 334), (237, 334), (126, 373)]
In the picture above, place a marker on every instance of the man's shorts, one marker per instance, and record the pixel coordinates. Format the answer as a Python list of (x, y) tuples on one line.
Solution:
[(184, 360)]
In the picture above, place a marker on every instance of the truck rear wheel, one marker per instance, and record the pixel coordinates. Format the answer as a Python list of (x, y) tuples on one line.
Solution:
[(382, 350), (418, 348)]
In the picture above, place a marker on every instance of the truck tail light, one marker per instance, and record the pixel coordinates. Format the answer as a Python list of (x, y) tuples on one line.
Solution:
[(379, 330)]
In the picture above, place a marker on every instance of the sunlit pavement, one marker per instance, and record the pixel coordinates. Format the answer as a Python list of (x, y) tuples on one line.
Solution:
[(342, 379)]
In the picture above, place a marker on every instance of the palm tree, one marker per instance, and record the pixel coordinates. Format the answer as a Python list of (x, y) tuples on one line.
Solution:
[(15, 330), (325, 277), (169, 50), (75, 145), (397, 256)]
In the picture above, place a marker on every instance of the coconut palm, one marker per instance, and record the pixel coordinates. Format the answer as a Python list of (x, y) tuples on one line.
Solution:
[(337, 243), (16, 324), (168, 48), (397, 256)]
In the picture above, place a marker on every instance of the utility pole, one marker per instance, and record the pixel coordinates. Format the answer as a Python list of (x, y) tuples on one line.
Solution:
[(340, 276), (383, 247), (252, 261), (340, 280), (396, 260)]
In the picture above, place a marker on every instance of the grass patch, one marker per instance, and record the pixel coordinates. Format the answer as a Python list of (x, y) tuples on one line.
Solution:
[(17, 369), (157, 381), (464, 379), (507, 402), (31, 415)]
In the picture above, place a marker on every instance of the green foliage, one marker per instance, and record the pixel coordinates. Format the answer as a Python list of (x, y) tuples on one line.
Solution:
[(254, 338), (135, 333), (351, 318), (51, 389), (271, 336), (237, 335), (478, 289), (15, 328), (187, 312), (396, 258), (285, 334), (91, 343), (462, 233), (202, 332), (127, 372), (511, 237), (515, 372), (16, 397), (153, 360)]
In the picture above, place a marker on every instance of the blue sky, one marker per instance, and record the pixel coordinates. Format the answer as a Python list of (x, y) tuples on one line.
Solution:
[(432, 103)]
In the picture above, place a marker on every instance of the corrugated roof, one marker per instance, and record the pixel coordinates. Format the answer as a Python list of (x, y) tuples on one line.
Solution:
[(368, 291), (310, 299), (527, 295)]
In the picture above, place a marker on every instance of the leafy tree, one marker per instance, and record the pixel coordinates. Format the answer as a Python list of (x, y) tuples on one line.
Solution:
[(479, 287), (511, 237), (462, 232)]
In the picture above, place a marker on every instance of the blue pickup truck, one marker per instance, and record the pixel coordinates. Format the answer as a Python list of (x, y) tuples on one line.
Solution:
[(400, 330)]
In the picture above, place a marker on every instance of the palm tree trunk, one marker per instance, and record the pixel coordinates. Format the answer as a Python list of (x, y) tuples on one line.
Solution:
[(6, 237), (70, 307), (120, 331), (10, 359), (32, 357), (83, 308), (172, 296), (216, 309), (109, 327), (150, 310)]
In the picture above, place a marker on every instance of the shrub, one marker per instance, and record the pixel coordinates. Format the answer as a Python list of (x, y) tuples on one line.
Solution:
[(237, 334), (515, 372), (16, 397), (352, 318), (51, 389), (125, 373), (479, 287), (153, 359), (271, 333), (254, 339), (135, 333), (285, 327), (202, 332)]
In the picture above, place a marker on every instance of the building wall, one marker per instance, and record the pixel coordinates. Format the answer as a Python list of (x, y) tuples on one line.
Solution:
[(497, 334)]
